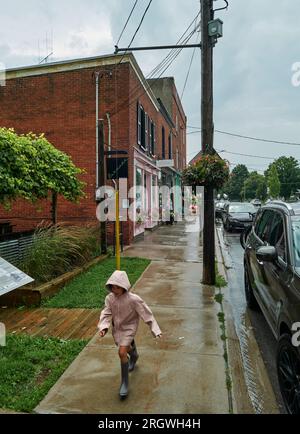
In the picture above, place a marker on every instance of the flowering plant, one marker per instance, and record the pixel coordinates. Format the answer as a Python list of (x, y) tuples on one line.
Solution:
[(208, 170)]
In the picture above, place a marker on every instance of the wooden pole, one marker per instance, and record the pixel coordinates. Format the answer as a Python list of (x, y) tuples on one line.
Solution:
[(209, 274)]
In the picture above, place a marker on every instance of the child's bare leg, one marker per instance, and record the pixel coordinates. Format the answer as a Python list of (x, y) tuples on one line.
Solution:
[(123, 351)]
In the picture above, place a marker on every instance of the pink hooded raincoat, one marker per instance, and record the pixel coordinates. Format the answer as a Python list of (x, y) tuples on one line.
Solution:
[(125, 312)]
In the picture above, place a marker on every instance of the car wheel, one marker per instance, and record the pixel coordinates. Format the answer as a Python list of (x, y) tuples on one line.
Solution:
[(288, 371), (250, 298)]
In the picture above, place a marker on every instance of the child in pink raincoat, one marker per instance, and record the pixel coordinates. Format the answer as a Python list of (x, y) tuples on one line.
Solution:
[(125, 310)]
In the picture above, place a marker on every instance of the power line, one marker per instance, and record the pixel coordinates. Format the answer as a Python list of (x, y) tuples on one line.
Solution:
[(178, 42), (134, 6), (138, 28), (189, 70), (245, 155), (258, 139), (175, 54), (248, 137), (135, 33)]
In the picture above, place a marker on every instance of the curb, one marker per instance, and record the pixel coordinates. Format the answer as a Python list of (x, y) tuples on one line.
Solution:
[(228, 363)]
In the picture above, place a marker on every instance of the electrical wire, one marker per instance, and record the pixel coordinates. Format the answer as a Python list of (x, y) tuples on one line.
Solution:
[(170, 56), (135, 95), (244, 155), (127, 21), (248, 137), (136, 32), (189, 70), (156, 69)]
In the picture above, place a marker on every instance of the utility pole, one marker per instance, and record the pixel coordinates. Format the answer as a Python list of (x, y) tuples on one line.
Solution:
[(102, 181), (207, 14)]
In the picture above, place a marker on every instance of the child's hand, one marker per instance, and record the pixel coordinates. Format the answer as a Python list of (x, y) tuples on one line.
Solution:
[(103, 333)]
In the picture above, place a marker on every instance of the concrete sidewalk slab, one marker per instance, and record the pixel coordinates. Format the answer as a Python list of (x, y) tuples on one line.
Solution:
[(159, 385), (174, 271), (182, 373), (176, 293)]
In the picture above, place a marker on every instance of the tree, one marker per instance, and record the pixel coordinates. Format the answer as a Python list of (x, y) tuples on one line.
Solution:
[(31, 168), (289, 175), (234, 187), (273, 182), (262, 188), (255, 186)]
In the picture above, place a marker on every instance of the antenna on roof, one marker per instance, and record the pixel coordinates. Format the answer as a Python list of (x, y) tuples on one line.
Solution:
[(49, 50)]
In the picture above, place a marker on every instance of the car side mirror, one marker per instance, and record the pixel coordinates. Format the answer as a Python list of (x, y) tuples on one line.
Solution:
[(267, 254)]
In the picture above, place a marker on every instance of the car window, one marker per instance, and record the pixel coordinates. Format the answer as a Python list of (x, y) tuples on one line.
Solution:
[(276, 236), (296, 240), (239, 208), (263, 225)]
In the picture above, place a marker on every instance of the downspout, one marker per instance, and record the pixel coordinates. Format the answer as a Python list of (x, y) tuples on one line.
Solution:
[(109, 132), (97, 130)]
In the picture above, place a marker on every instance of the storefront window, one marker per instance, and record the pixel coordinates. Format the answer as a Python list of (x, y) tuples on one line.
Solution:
[(139, 188)]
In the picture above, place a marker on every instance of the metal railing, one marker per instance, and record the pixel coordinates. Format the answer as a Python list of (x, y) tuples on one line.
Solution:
[(13, 248)]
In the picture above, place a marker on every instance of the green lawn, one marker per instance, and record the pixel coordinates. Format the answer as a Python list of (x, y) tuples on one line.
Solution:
[(88, 290), (30, 366)]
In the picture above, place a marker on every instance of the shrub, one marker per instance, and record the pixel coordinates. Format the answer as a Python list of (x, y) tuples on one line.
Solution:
[(58, 249)]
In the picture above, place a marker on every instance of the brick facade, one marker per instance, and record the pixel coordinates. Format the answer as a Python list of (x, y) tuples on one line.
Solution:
[(59, 100)]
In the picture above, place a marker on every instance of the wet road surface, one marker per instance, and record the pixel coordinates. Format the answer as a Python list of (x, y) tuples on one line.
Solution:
[(233, 253)]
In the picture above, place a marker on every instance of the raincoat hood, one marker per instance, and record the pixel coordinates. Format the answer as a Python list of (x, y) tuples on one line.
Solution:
[(119, 278)]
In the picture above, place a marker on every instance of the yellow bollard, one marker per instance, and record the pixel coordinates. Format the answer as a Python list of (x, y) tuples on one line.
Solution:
[(118, 255)]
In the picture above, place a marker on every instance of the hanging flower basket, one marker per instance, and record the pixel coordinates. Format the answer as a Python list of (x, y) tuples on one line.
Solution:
[(208, 170)]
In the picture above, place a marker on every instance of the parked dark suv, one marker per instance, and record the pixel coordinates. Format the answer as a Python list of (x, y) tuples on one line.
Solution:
[(272, 281)]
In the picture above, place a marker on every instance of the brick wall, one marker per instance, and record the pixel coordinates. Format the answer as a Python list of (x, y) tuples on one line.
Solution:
[(62, 106)]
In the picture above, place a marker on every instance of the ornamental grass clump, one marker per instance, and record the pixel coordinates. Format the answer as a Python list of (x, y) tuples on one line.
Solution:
[(58, 249), (208, 170)]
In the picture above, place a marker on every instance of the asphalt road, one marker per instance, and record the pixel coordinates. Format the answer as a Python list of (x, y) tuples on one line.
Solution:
[(262, 332)]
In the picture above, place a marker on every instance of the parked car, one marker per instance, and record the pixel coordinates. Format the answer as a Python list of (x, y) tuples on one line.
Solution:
[(272, 282), (238, 215), (256, 203)]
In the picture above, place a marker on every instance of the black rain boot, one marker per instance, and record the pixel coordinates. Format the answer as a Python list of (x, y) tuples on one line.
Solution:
[(133, 357), (124, 385)]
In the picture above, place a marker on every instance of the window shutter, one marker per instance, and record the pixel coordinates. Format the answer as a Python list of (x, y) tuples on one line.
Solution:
[(139, 124), (163, 143), (150, 135), (153, 139), (170, 146), (146, 132)]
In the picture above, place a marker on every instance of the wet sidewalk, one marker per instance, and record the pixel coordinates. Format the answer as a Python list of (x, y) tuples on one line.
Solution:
[(182, 373)]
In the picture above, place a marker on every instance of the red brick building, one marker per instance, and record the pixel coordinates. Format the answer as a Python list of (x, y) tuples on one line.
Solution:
[(60, 100)]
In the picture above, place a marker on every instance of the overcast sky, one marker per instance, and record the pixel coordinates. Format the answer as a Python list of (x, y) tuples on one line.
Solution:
[(254, 94)]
